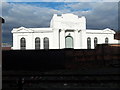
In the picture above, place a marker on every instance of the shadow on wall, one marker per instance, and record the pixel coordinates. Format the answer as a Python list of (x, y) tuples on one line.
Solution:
[(42, 60)]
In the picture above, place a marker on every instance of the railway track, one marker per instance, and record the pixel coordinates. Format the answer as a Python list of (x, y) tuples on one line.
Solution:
[(48, 81)]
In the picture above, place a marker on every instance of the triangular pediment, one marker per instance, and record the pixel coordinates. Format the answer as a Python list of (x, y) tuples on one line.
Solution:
[(23, 29), (107, 30)]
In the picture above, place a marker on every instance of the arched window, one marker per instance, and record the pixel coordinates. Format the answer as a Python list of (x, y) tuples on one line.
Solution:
[(46, 43), (95, 41), (22, 43), (37, 43), (106, 40), (89, 43), (68, 42)]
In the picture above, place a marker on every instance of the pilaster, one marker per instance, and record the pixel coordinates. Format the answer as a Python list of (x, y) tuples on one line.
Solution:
[(56, 39), (83, 39), (62, 39), (76, 40), (42, 43)]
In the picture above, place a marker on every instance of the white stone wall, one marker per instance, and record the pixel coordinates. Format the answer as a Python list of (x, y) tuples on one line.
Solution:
[(68, 21), (83, 40), (60, 27), (100, 35), (30, 40), (42, 36)]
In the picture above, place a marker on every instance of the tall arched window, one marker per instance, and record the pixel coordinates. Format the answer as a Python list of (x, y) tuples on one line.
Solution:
[(46, 43), (95, 41), (89, 43), (106, 40), (22, 43), (37, 43), (68, 42)]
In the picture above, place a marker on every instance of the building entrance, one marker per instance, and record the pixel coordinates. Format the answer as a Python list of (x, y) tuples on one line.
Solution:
[(68, 42)]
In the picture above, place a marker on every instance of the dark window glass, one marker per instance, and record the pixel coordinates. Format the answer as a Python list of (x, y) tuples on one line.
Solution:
[(95, 42), (46, 43), (22, 43), (37, 43), (89, 43), (106, 40)]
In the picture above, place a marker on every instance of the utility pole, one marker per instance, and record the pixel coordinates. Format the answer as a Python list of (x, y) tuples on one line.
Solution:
[(1, 21)]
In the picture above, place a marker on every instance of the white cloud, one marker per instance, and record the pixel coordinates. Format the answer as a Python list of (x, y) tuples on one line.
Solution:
[(100, 15), (26, 14), (60, 0), (33, 15)]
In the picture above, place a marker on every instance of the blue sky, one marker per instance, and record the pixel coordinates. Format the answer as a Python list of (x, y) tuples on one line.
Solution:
[(54, 5), (100, 15), (60, 0)]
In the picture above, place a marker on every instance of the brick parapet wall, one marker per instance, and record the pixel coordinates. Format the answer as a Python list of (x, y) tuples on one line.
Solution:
[(102, 56)]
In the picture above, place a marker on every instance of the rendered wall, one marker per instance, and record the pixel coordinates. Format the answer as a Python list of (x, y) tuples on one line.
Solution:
[(61, 27)]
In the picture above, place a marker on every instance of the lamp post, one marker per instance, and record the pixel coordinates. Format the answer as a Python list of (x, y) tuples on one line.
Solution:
[(1, 21)]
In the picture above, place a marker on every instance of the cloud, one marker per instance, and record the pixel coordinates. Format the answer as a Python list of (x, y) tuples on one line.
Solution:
[(102, 15), (17, 15), (60, 1), (99, 15), (27, 15)]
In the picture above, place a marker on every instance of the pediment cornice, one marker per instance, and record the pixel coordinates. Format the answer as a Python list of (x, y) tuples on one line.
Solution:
[(107, 30), (22, 29)]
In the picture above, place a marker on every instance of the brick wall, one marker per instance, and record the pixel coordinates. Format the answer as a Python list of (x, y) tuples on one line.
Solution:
[(102, 56)]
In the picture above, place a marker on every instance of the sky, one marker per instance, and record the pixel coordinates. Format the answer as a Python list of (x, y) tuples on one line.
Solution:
[(99, 15), (60, 0)]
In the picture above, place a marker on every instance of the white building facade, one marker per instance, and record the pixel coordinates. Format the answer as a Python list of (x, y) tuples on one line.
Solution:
[(66, 31)]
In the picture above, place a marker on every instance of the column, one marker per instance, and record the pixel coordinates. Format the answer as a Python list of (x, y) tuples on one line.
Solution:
[(83, 39), (92, 42), (16, 44), (42, 43), (56, 39), (29, 41), (76, 40), (62, 39), (33, 41)]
